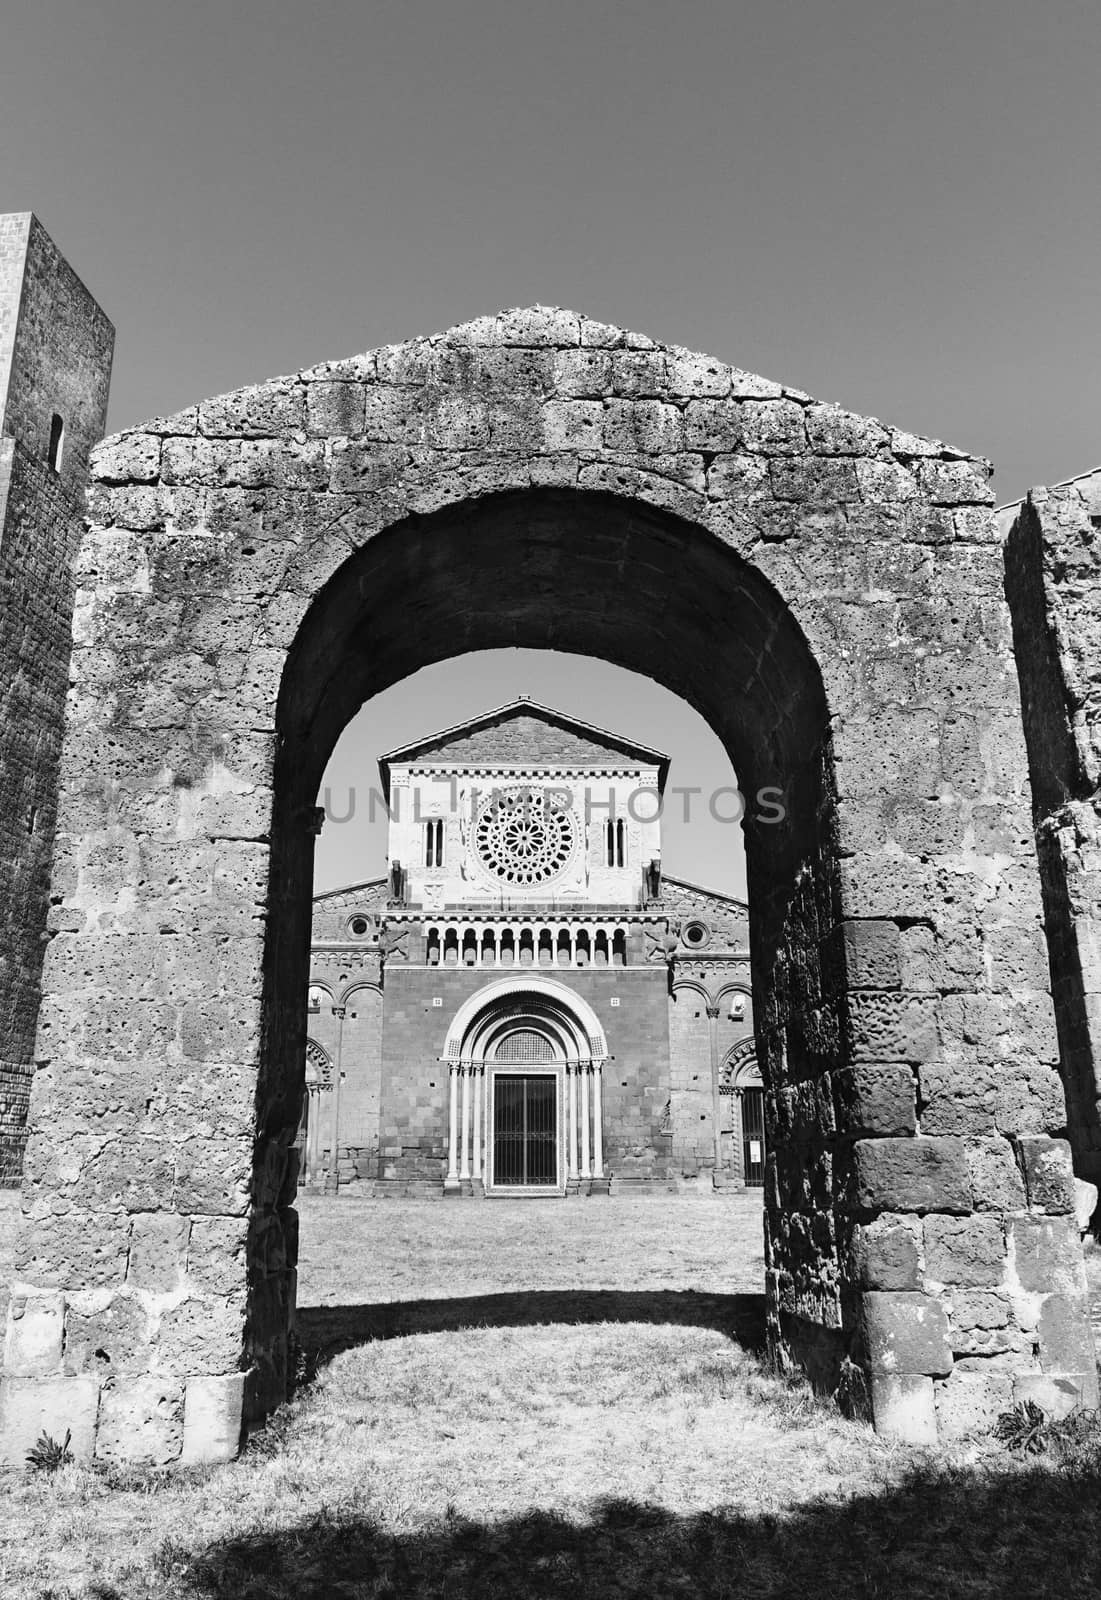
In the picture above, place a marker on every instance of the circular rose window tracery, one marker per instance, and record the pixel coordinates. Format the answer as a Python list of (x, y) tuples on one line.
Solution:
[(522, 838)]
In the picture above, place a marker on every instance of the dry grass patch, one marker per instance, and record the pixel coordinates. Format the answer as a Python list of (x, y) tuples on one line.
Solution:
[(500, 1438), (608, 1460)]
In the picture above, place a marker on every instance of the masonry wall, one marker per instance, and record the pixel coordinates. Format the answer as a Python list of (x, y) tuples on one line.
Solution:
[(1053, 583)]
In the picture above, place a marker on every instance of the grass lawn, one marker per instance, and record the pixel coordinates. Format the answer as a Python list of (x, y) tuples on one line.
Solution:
[(539, 1399)]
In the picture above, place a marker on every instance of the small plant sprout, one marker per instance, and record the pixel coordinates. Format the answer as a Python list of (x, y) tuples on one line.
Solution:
[(46, 1454)]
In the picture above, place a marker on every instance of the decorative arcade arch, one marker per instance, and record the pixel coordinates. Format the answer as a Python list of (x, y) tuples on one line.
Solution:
[(827, 591), (318, 1092), (743, 1099)]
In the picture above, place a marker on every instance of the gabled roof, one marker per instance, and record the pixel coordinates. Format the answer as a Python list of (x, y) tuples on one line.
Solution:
[(536, 734), (360, 890), (729, 901)]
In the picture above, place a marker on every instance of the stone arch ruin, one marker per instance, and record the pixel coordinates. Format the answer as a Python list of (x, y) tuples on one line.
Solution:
[(826, 590)]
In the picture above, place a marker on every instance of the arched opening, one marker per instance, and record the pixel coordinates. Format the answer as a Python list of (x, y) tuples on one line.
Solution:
[(56, 444), (590, 573)]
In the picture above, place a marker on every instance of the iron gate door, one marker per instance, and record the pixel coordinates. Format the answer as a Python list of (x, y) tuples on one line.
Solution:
[(753, 1136), (525, 1144)]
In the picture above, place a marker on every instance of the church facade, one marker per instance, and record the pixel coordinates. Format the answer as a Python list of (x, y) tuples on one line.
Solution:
[(525, 1003)]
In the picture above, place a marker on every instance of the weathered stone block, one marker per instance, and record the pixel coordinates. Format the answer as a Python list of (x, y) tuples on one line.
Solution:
[(1057, 1397), (996, 1180), (140, 1422), (203, 1334), (1047, 1255), (905, 1333), (74, 1251), (904, 1408), (213, 1175), (266, 410), (872, 953), (971, 1402), (916, 1174), (158, 1251), (55, 1406), (888, 1027), (335, 409), (573, 425), (106, 1336), (774, 427), (989, 1095), (583, 373), (212, 1419), (983, 1326), (1049, 1175), (1066, 1339), (128, 458), (887, 1254), (36, 1327), (216, 1256), (965, 1250), (713, 425), (875, 1099)]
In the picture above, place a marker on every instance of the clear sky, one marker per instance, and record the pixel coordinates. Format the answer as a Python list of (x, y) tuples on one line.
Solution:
[(894, 204)]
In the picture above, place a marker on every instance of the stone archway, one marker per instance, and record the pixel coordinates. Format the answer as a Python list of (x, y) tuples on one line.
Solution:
[(826, 590)]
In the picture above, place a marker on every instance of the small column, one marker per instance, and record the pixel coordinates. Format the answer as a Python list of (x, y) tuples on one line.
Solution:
[(583, 1073), (598, 1121), (313, 1135), (571, 1120), (479, 1073), (716, 1088), (464, 1164), (453, 1126), (332, 1180)]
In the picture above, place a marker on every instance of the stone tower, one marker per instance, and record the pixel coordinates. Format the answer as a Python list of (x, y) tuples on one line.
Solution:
[(55, 371)]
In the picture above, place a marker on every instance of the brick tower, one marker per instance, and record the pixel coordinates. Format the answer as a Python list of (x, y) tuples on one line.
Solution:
[(55, 371)]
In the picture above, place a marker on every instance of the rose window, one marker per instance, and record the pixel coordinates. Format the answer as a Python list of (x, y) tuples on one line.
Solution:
[(522, 838)]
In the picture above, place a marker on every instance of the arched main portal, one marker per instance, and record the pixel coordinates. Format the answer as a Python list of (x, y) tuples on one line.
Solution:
[(825, 590), (525, 1060)]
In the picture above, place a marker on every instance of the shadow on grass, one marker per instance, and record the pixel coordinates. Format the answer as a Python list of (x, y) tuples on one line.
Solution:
[(972, 1534), (325, 1331)]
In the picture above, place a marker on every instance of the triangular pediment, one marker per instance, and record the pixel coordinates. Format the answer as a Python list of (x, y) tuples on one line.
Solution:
[(524, 733)]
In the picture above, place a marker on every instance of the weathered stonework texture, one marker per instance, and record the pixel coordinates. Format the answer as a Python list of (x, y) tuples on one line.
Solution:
[(1053, 584), (826, 590), (55, 360)]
